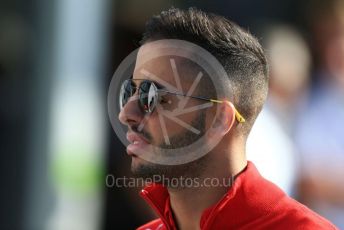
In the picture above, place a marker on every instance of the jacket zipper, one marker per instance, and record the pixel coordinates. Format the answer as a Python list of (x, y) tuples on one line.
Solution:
[(150, 202), (215, 211)]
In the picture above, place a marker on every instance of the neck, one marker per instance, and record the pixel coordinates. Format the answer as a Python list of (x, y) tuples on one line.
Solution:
[(189, 203)]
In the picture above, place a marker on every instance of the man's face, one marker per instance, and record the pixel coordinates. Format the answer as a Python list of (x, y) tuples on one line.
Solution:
[(148, 131)]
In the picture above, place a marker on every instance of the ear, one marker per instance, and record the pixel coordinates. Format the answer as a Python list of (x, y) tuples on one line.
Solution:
[(224, 119)]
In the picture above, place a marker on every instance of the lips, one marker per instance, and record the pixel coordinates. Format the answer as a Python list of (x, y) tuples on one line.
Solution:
[(134, 137), (137, 144)]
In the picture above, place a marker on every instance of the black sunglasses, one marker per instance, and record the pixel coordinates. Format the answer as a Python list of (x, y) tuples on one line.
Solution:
[(148, 95)]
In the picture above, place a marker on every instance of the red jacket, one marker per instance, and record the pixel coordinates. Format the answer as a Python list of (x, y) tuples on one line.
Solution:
[(252, 202)]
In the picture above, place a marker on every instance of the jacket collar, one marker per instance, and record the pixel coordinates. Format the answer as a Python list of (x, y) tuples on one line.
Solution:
[(157, 197)]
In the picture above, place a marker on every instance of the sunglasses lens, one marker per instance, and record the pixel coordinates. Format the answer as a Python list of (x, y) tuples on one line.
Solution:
[(127, 90), (148, 96)]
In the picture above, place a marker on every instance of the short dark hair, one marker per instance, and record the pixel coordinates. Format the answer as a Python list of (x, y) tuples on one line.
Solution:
[(237, 50)]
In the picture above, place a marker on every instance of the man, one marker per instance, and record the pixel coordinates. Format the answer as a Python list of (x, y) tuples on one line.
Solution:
[(249, 201)]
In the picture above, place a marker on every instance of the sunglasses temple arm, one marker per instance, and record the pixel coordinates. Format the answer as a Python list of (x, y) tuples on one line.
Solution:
[(184, 95), (238, 116)]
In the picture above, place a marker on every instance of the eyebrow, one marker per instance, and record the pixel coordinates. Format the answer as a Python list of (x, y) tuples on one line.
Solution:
[(159, 86)]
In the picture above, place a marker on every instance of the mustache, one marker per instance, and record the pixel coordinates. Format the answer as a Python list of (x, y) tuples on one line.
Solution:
[(146, 135)]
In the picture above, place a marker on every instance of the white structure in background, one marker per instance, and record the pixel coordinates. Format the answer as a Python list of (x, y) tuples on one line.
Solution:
[(78, 118), (272, 151)]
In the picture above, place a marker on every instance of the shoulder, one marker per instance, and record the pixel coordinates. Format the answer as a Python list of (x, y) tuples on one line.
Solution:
[(156, 224), (262, 205), (299, 216), (286, 213), (279, 210)]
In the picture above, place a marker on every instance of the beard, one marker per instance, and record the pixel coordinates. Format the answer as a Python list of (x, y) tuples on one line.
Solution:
[(148, 170)]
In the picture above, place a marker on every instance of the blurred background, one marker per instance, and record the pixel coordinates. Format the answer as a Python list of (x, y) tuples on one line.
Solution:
[(57, 144)]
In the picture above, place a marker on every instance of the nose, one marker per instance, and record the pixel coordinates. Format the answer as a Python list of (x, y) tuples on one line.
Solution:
[(131, 113)]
